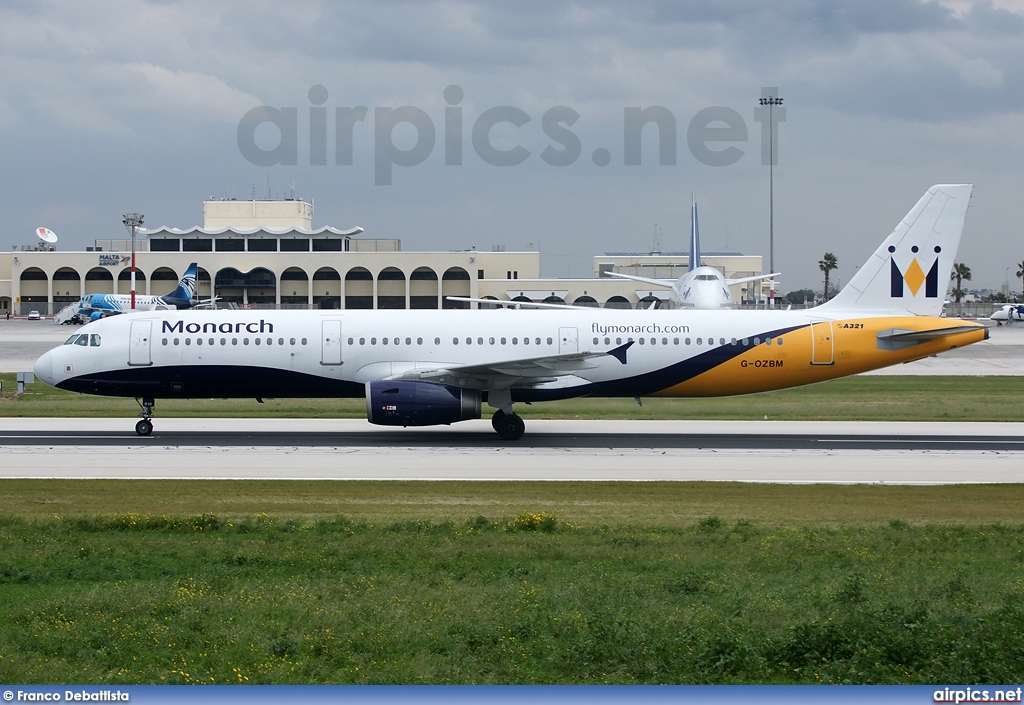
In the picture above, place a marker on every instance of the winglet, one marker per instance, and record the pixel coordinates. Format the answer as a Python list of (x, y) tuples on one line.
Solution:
[(619, 353)]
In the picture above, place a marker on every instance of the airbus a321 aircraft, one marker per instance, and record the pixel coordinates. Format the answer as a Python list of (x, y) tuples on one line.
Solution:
[(702, 286), (420, 368)]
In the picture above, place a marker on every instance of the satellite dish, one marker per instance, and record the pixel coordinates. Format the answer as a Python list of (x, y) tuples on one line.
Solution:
[(46, 235)]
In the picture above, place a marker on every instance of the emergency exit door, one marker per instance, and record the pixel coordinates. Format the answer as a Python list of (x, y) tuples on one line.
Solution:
[(568, 341), (330, 343)]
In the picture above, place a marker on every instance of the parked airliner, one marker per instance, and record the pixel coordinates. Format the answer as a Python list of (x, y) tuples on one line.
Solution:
[(420, 368), (702, 287), (95, 306), (1008, 313)]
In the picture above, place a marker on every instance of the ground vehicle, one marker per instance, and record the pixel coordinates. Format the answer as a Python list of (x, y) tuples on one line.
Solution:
[(34, 316)]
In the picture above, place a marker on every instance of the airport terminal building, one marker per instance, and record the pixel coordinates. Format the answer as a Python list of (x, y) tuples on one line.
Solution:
[(265, 254)]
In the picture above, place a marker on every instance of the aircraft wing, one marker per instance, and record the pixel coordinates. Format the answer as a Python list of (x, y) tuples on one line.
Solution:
[(666, 283), (505, 373), (517, 304), (754, 278)]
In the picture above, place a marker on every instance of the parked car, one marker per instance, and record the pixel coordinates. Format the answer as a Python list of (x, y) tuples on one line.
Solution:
[(34, 316)]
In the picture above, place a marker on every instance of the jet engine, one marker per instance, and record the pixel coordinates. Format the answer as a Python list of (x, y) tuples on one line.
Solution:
[(410, 403)]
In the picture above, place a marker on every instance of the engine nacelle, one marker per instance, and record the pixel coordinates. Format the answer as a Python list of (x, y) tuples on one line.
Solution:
[(409, 403)]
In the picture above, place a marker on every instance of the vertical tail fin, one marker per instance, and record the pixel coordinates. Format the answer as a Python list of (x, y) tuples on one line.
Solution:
[(694, 236), (909, 272), (186, 290)]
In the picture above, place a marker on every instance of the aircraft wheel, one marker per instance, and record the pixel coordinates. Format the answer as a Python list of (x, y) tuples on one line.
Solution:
[(511, 427), (144, 427), (496, 419)]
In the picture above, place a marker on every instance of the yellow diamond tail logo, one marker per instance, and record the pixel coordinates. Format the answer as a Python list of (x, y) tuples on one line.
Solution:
[(914, 277)]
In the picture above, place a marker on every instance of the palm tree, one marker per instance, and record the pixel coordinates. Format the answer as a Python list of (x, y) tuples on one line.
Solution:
[(1020, 270), (827, 265), (961, 273)]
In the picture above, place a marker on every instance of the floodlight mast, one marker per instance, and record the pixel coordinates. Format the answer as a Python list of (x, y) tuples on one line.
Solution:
[(133, 221), (771, 102)]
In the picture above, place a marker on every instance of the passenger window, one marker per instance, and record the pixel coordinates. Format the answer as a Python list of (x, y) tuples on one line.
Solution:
[(256, 341), (164, 341), (280, 341), (469, 341), (349, 341), (550, 341), (211, 341), (503, 340), (757, 341), (384, 341), (675, 341), (419, 341), (397, 341), (515, 341), (245, 341), (437, 341), (779, 341), (223, 341), (408, 341), (303, 341), (526, 341), (641, 341), (234, 341), (536, 341), (699, 341), (188, 341), (373, 341), (618, 341), (767, 341), (199, 341), (291, 341), (270, 341), (687, 341), (479, 341), (595, 341), (490, 341), (455, 341)]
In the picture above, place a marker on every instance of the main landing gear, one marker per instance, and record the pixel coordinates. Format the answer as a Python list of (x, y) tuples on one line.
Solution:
[(145, 427), (509, 426)]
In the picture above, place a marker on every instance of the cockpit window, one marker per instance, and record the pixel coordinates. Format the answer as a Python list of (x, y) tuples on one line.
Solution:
[(72, 339), (83, 339), (94, 340)]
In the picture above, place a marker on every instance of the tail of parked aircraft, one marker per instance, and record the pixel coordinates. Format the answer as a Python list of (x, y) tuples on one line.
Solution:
[(694, 236), (186, 290), (909, 272)]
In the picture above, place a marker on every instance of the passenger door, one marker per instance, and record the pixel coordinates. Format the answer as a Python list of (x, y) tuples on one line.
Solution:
[(822, 343), (139, 350)]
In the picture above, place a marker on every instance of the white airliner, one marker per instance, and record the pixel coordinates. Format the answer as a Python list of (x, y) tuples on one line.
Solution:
[(95, 306), (1008, 313), (420, 368), (701, 287)]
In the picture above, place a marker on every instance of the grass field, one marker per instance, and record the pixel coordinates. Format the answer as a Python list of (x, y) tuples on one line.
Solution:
[(879, 398), (107, 582), (441, 582)]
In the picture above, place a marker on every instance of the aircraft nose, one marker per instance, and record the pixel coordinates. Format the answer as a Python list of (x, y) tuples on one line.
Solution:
[(44, 367)]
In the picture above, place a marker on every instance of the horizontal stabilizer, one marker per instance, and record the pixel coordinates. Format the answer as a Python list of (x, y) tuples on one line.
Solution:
[(899, 338)]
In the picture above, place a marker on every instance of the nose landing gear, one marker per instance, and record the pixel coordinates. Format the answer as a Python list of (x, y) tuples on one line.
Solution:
[(145, 427)]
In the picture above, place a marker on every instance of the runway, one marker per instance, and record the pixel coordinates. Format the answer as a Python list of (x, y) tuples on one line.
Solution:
[(325, 449), (742, 451)]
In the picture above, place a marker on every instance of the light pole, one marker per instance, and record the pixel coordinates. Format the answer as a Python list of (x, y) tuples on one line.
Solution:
[(771, 101), (133, 221)]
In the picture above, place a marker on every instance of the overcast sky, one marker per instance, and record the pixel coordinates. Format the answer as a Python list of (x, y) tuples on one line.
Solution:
[(116, 106)]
